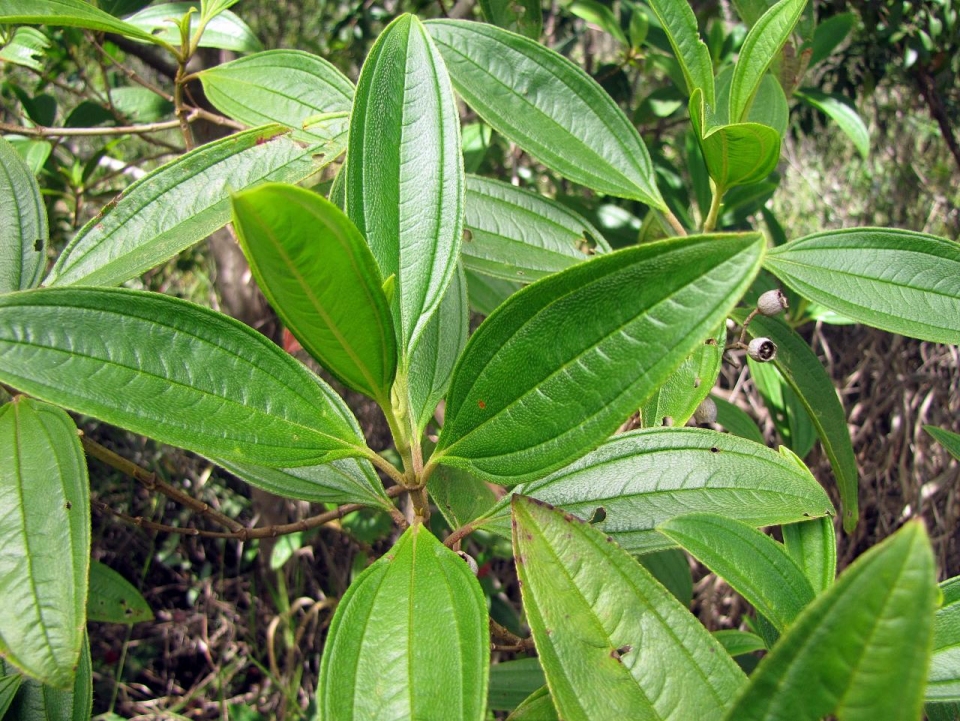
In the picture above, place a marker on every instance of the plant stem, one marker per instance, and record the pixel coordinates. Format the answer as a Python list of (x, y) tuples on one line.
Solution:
[(674, 222), (40, 131), (711, 221)]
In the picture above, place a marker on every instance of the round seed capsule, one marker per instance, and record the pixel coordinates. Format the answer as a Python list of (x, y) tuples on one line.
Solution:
[(706, 412), (772, 302), (763, 350)]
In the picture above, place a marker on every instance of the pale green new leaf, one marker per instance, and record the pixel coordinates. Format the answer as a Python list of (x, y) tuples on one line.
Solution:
[(519, 16), (947, 439), (896, 280), (459, 495), (860, 651), (409, 639), (654, 662), (842, 112), (23, 223), (562, 363), (113, 599), (175, 371), (680, 25), (35, 701), (549, 107), (225, 31), (813, 545), (180, 203), (286, 87), (405, 180), (70, 13), (212, 8), (44, 540)]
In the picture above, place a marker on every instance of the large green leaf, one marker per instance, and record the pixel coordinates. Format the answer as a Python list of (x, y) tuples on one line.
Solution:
[(409, 639), (520, 16), (943, 682), (803, 371), (842, 112), (948, 439), (860, 651), (644, 478), (896, 280), (180, 203), (318, 273), (680, 24), (549, 107), (113, 599), (69, 13), (759, 50), (23, 223), (655, 662), (562, 363), (755, 566), (175, 371), (35, 701), (405, 180), (813, 545), (519, 235), (282, 86), (225, 31), (44, 540)]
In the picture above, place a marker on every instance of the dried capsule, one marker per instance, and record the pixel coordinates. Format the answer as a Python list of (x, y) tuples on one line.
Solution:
[(762, 350), (706, 412), (772, 302)]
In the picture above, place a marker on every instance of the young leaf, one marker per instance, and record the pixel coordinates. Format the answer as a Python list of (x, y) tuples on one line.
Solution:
[(44, 541), (23, 223), (803, 371), (409, 639), (70, 13), (175, 371), (225, 31), (680, 24), (861, 649), (655, 662), (736, 421), (895, 280), (842, 112), (813, 546), (549, 107), (518, 235), (35, 701), (178, 204), (642, 479), (282, 86), (113, 599), (599, 15), (405, 180), (563, 362), (759, 50), (756, 566), (318, 273), (947, 439), (519, 16)]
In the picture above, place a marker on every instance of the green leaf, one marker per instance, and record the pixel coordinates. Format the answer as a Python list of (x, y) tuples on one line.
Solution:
[(549, 107), (791, 419), (174, 371), (598, 15), (770, 105), (485, 292), (318, 273), (895, 280), (460, 496), (751, 10), (405, 180), (829, 34), (756, 566), (512, 682), (113, 599), (861, 649), (643, 478), (759, 50), (409, 639), (518, 235), (225, 31), (672, 569), (943, 681), (285, 87), (33, 152), (739, 643), (737, 421), (813, 545), (26, 48), (23, 223), (947, 439), (519, 16), (212, 8), (140, 104), (69, 13), (803, 371), (680, 25), (38, 702), (180, 203), (517, 406), (9, 685), (842, 112), (675, 402), (538, 706), (656, 662), (44, 540)]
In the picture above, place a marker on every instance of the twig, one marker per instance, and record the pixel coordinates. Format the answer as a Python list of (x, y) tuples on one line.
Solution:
[(40, 131), (454, 538), (511, 641)]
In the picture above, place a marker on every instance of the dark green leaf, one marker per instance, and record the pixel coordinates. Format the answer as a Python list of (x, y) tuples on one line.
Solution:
[(9, 685), (37, 702), (23, 223), (69, 13), (226, 31), (789, 416), (485, 292), (680, 24), (737, 421), (813, 545), (113, 599), (513, 681), (842, 112), (947, 439), (739, 643), (675, 402), (829, 34), (519, 16), (672, 569)]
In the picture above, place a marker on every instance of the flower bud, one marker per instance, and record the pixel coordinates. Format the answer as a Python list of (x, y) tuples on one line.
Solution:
[(762, 350), (706, 412), (772, 302)]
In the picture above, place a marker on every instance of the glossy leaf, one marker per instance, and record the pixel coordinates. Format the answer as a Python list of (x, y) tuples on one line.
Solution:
[(518, 406), (842, 112), (178, 204), (518, 235), (68, 13), (947, 439), (318, 273), (38, 702), (656, 662), (680, 24), (405, 180), (225, 31), (113, 599), (895, 280), (174, 371), (759, 50), (523, 16), (790, 418), (813, 546), (44, 540), (737, 421), (285, 87), (755, 566), (549, 107), (409, 639), (23, 223), (641, 479), (943, 681), (862, 648), (511, 682), (538, 706), (803, 371)]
